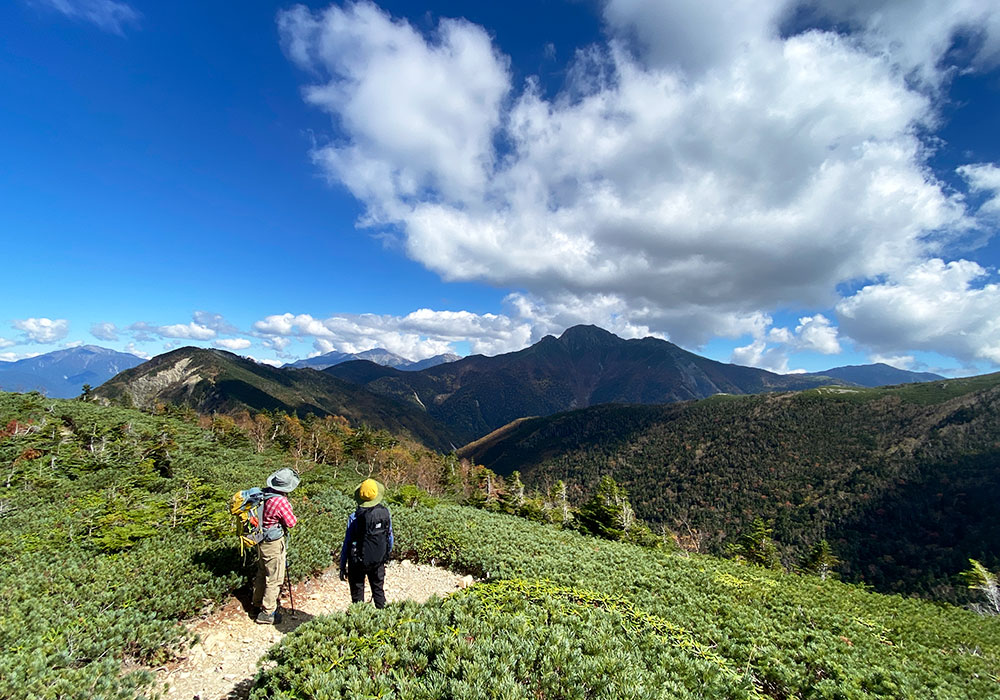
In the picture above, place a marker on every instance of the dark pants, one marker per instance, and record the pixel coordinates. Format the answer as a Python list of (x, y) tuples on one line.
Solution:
[(376, 577)]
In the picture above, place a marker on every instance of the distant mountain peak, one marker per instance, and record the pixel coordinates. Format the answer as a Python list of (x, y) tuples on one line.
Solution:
[(878, 374), (587, 329), (584, 366), (379, 356), (62, 373), (211, 380), (589, 332)]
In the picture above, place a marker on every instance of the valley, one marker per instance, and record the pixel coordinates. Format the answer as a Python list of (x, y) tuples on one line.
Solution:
[(900, 480)]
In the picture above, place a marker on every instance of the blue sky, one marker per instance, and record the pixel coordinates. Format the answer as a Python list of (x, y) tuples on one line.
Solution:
[(789, 185)]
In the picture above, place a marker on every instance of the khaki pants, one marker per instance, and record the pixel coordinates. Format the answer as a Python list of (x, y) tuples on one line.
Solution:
[(270, 575)]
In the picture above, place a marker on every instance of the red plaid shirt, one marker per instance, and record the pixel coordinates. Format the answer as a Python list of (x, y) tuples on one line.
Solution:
[(278, 509)]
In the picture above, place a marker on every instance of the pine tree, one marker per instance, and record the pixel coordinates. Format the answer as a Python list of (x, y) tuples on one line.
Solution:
[(820, 561), (979, 578), (757, 546), (513, 498), (560, 502), (608, 513)]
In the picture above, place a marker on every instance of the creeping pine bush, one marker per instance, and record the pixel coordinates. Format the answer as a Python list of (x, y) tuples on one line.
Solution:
[(705, 627), (115, 527), (549, 642)]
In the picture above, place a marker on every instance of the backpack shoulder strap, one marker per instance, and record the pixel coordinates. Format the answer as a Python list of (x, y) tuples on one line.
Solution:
[(265, 497)]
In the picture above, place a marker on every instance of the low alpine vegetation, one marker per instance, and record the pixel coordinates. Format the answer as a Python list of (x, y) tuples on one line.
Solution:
[(117, 527), (558, 602)]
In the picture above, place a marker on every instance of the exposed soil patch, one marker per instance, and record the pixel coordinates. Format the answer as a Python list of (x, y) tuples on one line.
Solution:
[(224, 663)]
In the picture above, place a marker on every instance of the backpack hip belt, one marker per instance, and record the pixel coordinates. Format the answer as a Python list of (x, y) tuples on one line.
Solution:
[(273, 533)]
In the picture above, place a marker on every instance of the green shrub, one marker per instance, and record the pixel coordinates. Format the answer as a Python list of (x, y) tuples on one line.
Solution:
[(410, 496), (116, 527), (550, 642)]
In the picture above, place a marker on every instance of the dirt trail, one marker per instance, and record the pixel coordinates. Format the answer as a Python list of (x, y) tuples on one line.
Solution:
[(224, 664)]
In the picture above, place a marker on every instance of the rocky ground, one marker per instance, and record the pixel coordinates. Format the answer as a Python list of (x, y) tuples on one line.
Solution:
[(224, 663)]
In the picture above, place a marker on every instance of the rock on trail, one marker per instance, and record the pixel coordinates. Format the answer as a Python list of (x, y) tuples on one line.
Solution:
[(224, 663)]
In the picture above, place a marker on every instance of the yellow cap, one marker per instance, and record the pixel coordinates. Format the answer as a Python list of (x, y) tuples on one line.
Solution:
[(368, 490)]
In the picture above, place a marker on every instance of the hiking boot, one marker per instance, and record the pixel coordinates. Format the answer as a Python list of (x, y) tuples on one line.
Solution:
[(267, 618)]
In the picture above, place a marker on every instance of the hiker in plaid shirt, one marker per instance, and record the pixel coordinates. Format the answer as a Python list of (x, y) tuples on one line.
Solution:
[(277, 520)]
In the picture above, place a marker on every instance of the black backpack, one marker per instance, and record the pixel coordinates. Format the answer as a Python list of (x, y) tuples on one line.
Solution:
[(370, 546)]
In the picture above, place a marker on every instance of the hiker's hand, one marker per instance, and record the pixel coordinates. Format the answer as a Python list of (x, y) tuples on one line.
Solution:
[(343, 574)]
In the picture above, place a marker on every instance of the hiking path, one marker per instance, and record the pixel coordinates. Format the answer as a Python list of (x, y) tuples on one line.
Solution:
[(223, 664)]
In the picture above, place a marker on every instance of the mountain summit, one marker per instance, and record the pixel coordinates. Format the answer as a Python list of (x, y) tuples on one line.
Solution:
[(62, 373), (379, 356), (218, 381), (878, 374), (584, 366)]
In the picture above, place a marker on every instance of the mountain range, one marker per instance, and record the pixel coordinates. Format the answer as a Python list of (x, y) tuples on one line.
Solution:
[(901, 480), (379, 356), (219, 381), (62, 373), (699, 444), (583, 367), (467, 397)]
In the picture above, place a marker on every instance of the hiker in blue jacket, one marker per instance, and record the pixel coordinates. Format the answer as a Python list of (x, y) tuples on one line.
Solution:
[(367, 543)]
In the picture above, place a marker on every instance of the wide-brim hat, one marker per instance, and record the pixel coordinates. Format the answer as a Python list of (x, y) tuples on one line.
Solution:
[(284, 480), (379, 494)]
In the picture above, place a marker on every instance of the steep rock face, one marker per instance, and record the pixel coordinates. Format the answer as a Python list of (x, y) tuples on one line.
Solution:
[(178, 377), (219, 381), (583, 367)]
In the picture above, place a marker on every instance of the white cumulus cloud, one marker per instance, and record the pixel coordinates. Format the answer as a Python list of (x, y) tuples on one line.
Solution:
[(706, 166), (42, 330), (984, 178), (133, 350), (771, 346), (187, 331), (418, 335), (104, 331), (214, 321), (6, 343), (233, 344), (907, 362), (203, 326), (266, 361), (15, 356), (759, 354), (815, 333), (936, 306)]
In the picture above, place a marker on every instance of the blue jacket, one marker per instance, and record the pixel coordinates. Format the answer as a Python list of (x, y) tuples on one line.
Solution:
[(346, 547)]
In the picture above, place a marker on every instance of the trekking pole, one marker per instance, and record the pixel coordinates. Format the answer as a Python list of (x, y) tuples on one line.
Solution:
[(291, 598), (288, 583)]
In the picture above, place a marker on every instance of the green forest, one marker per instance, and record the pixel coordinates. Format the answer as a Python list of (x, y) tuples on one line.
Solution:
[(902, 482), (117, 529)]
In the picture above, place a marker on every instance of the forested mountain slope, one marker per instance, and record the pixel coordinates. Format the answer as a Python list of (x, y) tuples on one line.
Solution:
[(215, 380), (583, 367), (903, 481), (116, 532)]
